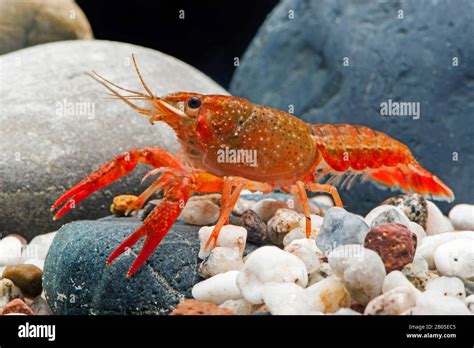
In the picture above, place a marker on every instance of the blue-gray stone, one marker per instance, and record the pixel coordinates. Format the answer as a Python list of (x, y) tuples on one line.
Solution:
[(76, 280), (299, 62), (340, 228)]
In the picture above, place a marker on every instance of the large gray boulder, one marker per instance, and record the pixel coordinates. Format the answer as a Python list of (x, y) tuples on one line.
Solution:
[(299, 62), (57, 127)]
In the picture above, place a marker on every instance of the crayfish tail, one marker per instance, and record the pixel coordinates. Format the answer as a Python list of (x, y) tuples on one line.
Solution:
[(360, 151), (413, 178)]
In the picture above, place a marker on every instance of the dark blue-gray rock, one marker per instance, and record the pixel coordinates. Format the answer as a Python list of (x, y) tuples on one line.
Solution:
[(76, 280), (57, 126), (340, 228), (299, 62)]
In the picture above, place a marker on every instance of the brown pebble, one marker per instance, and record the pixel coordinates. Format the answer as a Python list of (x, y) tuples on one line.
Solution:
[(193, 307), (27, 277), (213, 197), (123, 205), (16, 306), (395, 244), (256, 228)]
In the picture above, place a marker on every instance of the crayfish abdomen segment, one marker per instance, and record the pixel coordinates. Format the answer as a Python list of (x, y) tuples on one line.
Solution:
[(345, 147)]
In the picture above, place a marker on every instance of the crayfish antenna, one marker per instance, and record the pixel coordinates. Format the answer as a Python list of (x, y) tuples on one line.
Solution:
[(150, 94), (107, 84)]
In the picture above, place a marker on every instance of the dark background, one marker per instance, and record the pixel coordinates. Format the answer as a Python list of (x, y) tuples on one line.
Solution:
[(208, 38)]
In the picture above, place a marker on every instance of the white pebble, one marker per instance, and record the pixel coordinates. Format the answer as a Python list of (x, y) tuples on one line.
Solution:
[(456, 258), (266, 208), (323, 200), (15, 314), (294, 234), (419, 265), (295, 204), (242, 205), (469, 301), (418, 231), (284, 221), (393, 302), (462, 216), (221, 260), (339, 258), (447, 286), (323, 272), (10, 251), (362, 271), (307, 251), (281, 223), (36, 262), (300, 231), (239, 307), (316, 223), (286, 299), (396, 279), (346, 311), (218, 289), (200, 212), (431, 303), (266, 265), (436, 222), (39, 246), (429, 244), (328, 295), (8, 291), (230, 236)]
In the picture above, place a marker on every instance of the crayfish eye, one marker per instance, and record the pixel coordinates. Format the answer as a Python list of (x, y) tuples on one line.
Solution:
[(194, 102)]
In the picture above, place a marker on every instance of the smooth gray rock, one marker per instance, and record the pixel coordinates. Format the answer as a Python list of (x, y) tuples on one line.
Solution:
[(299, 62), (341, 228), (76, 280), (29, 23), (45, 150), (386, 214)]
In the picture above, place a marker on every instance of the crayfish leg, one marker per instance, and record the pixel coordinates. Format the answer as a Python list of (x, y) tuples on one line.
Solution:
[(316, 187), (110, 172), (304, 201), (155, 226), (231, 190)]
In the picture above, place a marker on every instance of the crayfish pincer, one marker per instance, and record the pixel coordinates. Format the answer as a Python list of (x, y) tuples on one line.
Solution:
[(230, 144)]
